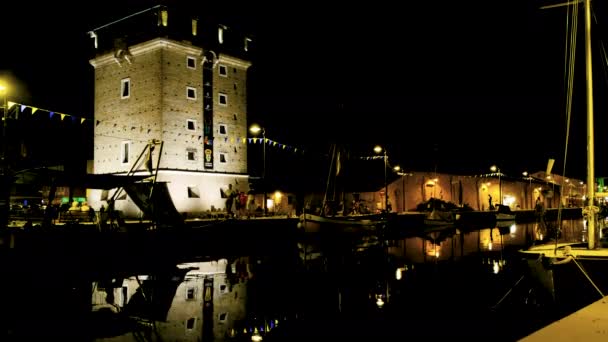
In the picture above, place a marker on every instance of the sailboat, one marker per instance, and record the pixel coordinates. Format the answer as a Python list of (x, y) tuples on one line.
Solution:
[(576, 274), (332, 216)]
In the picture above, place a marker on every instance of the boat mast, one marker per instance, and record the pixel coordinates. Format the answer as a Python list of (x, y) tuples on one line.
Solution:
[(590, 134)]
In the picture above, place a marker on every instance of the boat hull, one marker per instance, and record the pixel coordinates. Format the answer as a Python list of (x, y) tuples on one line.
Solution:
[(573, 275), (310, 223)]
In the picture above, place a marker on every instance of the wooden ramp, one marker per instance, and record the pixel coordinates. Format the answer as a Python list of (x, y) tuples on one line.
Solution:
[(587, 324)]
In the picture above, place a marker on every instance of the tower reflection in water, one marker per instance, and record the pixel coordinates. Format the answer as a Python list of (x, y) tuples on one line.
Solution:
[(365, 287)]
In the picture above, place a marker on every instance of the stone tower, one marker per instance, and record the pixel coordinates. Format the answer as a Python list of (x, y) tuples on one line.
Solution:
[(165, 76)]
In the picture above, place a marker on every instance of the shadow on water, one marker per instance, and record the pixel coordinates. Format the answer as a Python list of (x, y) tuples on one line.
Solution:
[(440, 284)]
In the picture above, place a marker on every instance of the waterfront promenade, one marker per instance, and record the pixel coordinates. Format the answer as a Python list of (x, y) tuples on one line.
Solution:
[(588, 324)]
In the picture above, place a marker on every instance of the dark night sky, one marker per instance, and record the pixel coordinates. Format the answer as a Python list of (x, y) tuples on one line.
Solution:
[(452, 85)]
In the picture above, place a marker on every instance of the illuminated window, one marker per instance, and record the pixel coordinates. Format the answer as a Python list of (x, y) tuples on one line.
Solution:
[(125, 88), (191, 62), (223, 99), (125, 149), (223, 70), (191, 93), (191, 125)]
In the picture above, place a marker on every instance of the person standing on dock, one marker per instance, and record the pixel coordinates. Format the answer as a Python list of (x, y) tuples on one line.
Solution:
[(230, 195)]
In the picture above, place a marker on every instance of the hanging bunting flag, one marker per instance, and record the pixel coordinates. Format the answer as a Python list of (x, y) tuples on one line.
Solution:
[(62, 116), (51, 114), (11, 104), (34, 109), (23, 108), (82, 120), (244, 140)]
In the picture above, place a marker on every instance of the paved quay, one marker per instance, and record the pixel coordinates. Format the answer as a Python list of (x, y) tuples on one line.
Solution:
[(588, 324)]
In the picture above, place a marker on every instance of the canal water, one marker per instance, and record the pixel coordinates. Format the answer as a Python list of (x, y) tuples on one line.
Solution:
[(441, 284)]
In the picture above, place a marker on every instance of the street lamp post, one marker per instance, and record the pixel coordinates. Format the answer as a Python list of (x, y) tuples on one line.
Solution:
[(256, 129), (397, 169), (527, 175), (495, 168), (379, 149), (4, 177)]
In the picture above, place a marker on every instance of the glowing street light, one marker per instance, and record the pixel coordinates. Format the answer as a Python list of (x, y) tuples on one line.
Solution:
[(529, 178), (379, 149), (256, 129), (495, 168)]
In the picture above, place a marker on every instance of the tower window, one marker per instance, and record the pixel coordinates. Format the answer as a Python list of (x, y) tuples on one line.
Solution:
[(222, 157), (191, 154), (190, 323), (191, 125), (223, 70), (191, 293), (223, 99), (191, 62), (125, 88), (125, 149), (191, 93), (222, 317), (193, 193), (223, 129)]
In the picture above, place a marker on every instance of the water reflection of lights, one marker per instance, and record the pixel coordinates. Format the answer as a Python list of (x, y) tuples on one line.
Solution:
[(379, 301), (256, 337)]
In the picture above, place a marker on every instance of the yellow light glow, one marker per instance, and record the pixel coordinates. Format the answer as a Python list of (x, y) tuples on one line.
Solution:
[(398, 273), (255, 129), (164, 15), (3, 88), (397, 168), (377, 148), (194, 27)]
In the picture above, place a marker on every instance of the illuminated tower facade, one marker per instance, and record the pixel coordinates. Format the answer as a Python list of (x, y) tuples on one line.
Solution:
[(163, 76)]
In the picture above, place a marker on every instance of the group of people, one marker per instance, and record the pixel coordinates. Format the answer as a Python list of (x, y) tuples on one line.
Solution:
[(243, 203)]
